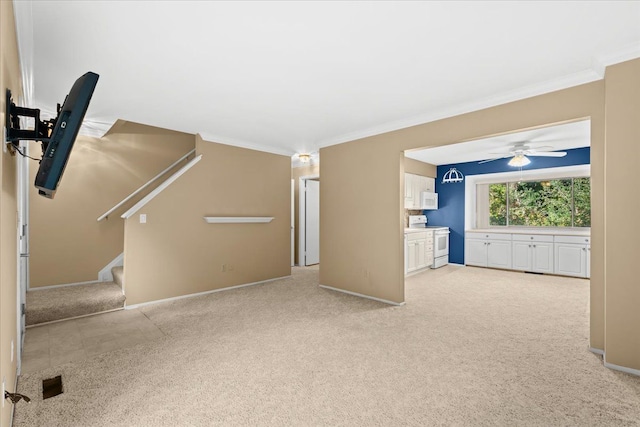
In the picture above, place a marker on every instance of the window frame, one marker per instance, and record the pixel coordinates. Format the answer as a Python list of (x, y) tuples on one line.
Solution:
[(508, 189), (472, 181)]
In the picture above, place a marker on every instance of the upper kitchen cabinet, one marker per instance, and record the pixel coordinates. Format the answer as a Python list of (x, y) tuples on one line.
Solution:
[(414, 185)]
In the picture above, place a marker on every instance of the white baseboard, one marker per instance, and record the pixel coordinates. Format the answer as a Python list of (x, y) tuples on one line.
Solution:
[(362, 295), (41, 288), (457, 265), (596, 351), (105, 275), (621, 368), (142, 304)]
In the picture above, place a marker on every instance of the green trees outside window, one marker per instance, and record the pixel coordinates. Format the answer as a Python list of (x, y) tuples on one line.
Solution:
[(552, 203)]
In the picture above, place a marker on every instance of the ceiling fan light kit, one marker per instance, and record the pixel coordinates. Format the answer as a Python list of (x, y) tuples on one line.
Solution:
[(519, 160), (520, 150)]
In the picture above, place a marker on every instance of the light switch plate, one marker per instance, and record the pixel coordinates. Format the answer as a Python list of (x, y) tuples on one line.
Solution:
[(143, 218)]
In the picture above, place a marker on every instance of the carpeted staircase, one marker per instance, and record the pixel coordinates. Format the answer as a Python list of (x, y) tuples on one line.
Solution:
[(67, 302)]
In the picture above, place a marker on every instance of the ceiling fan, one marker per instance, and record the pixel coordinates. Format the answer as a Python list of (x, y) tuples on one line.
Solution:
[(520, 150)]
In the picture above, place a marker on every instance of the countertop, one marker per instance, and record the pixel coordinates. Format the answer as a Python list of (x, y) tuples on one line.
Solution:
[(418, 230), (545, 231)]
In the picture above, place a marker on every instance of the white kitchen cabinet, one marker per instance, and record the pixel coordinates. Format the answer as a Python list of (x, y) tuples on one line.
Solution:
[(488, 250), (532, 252), (418, 251), (572, 256), (408, 186), (414, 185), (431, 185)]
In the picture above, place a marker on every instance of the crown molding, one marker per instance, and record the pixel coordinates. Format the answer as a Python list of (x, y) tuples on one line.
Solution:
[(626, 53), (564, 82), (207, 137), (23, 16)]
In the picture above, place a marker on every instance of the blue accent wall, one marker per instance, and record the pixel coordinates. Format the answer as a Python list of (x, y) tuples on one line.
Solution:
[(451, 203)]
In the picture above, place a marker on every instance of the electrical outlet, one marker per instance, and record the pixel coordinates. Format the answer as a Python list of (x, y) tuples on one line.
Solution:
[(223, 268), (230, 267), (143, 218)]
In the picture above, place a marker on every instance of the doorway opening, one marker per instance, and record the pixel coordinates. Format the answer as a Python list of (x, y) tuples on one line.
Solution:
[(309, 220)]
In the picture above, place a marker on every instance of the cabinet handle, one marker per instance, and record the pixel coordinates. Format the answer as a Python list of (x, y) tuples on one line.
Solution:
[(529, 245), (488, 243), (584, 249), (534, 246)]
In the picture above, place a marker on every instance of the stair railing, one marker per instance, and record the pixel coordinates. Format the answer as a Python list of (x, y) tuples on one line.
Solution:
[(148, 183)]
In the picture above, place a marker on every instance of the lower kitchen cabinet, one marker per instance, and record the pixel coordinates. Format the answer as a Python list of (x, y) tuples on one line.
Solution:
[(488, 250), (539, 253), (573, 256), (418, 251), (532, 252)]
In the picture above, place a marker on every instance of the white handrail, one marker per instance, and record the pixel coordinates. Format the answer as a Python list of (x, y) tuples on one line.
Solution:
[(160, 188), (151, 181)]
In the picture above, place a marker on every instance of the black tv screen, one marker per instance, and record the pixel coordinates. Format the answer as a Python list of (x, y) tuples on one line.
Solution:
[(64, 134)]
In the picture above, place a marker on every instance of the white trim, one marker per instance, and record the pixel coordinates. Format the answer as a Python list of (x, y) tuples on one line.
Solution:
[(146, 199), (631, 51), (355, 294), (237, 219), (596, 351), (148, 183), (456, 264), (158, 301), (105, 274), (621, 368), (217, 139), (302, 215), (564, 82), (42, 288)]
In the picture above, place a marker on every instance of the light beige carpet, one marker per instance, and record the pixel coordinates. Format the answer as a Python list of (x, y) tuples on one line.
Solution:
[(470, 347), (47, 305)]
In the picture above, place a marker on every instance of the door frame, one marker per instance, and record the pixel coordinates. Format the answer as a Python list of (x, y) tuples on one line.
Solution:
[(302, 213)]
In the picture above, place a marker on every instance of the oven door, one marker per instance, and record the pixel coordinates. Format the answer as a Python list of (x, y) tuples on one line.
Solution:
[(441, 243)]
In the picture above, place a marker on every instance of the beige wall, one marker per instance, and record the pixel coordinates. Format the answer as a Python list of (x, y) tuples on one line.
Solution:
[(9, 78), (622, 232), (367, 256), (420, 168), (176, 253), (68, 245), (296, 173)]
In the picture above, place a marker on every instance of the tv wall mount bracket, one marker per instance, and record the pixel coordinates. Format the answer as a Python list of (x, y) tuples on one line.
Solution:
[(41, 130)]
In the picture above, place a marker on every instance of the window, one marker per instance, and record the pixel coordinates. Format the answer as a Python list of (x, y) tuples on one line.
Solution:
[(547, 203)]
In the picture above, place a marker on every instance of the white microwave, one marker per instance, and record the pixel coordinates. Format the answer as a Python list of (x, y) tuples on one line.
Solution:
[(428, 200)]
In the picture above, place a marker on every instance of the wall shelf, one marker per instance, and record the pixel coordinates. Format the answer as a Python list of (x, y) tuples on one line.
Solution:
[(237, 219)]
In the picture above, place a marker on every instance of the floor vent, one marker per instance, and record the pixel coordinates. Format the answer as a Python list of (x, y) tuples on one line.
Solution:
[(51, 387)]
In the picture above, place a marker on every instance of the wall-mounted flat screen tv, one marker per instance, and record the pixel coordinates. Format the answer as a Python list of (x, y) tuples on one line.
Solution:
[(63, 135)]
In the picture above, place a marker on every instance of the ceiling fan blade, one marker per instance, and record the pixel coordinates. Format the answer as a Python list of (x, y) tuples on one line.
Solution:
[(548, 154), (491, 160), (543, 148)]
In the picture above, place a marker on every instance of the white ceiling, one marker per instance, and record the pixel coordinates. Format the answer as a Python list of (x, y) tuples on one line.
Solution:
[(560, 137), (291, 77)]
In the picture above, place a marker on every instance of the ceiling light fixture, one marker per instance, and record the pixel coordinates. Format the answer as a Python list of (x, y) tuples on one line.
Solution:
[(519, 160), (304, 158)]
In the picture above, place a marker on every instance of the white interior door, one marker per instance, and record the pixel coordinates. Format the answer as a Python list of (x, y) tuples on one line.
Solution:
[(312, 222), (293, 226), (23, 246)]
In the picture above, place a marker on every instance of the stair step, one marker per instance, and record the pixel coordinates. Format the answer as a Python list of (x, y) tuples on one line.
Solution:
[(118, 276), (66, 302)]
